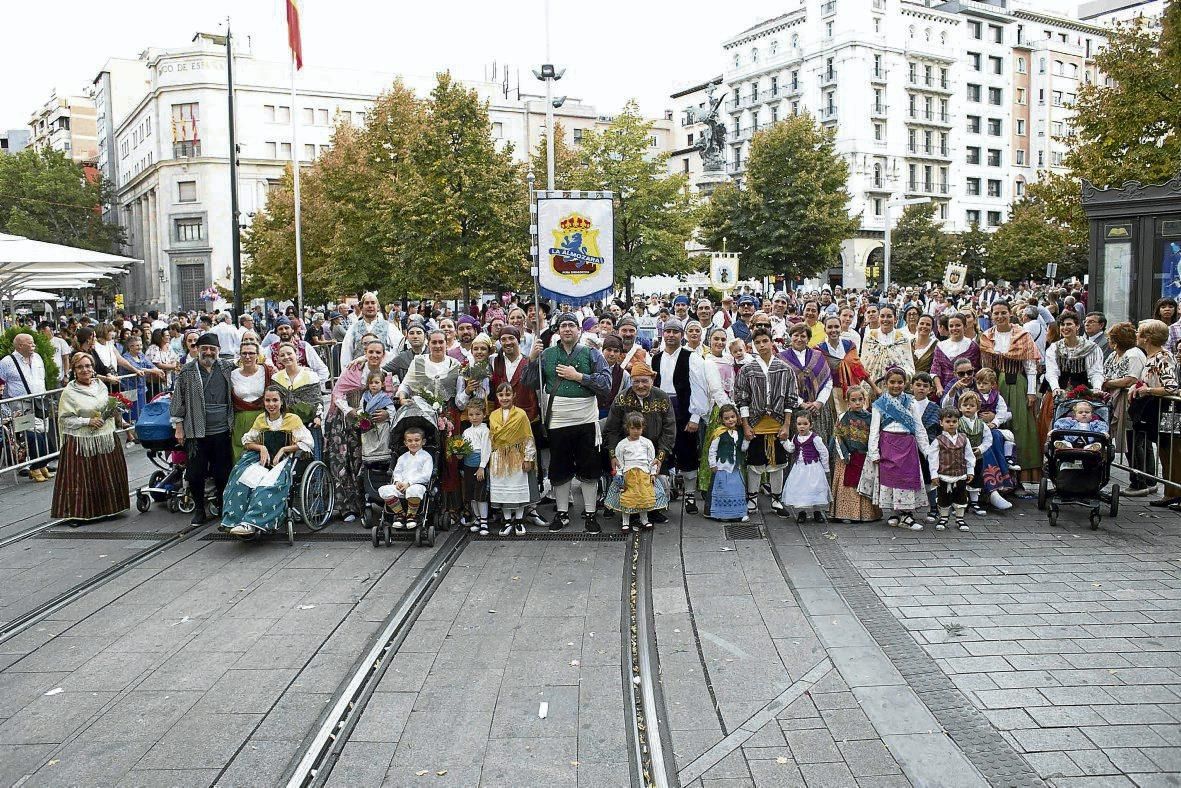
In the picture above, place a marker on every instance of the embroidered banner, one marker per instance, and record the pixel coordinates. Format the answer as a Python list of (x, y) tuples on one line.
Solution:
[(575, 245)]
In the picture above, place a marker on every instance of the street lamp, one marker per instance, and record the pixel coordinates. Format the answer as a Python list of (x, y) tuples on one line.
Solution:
[(549, 74), (886, 246)]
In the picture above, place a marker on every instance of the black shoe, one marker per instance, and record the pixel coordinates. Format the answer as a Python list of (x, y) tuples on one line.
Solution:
[(690, 504), (802, 518), (1165, 502), (818, 517), (199, 517), (778, 508), (590, 524), (560, 521), (658, 516)]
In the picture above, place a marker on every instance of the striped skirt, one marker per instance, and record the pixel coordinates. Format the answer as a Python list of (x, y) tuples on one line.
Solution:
[(90, 487)]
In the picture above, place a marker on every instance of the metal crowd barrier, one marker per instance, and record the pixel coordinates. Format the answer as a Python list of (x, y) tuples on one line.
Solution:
[(29, 432), (1153, 449)]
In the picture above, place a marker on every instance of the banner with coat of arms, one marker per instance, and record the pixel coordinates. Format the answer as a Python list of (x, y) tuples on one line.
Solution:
[(955, 277), (574, 244)]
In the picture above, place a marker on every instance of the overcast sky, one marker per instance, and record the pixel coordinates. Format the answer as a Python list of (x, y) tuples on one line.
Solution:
[(613, 49)]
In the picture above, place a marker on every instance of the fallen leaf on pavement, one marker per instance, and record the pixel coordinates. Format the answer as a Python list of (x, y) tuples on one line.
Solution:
[(781, 760), (420, 773)]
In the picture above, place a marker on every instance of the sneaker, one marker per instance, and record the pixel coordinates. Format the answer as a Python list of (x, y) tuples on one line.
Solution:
[(241, 529), (519, 528), (560, 521), (657, 516), (483, 528), (932, 517), (590, 524), (690, 504), (507, 530)]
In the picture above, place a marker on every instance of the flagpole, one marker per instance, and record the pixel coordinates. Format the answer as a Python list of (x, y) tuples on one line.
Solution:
[(295, 173), (235, 216)]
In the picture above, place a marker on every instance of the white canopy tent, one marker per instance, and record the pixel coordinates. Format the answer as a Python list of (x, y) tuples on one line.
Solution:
[(26, 264)]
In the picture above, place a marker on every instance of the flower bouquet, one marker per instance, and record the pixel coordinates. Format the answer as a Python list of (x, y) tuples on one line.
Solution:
[(477, 371), (365, 423), (114, 404), (1082, 392), (458, 447)]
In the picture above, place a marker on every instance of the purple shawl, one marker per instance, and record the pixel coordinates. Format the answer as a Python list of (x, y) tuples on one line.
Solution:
[(812, 375), (943, 367)]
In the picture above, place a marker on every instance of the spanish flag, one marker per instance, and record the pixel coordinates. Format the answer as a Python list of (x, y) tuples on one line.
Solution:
[(293, 39)]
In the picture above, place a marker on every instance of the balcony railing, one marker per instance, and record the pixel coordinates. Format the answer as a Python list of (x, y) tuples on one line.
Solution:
[(828, 113), (922, 83), (931, 115), (927, 187), (878, 110), (828, 77), (878, 74), (942, 151), (829, 7)]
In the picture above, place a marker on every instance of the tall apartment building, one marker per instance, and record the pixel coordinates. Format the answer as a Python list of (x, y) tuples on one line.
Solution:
[(1113, 12), (66, 124), (927, 101), (115, 90), (168, 153)]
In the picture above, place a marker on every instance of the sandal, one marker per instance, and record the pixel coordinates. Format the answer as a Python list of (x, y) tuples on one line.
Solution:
[(979, 510), (961, 524), (909, 523), (893, 521), (942, 524)]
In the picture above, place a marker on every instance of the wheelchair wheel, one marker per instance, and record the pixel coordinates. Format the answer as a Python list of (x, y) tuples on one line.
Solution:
[(290, 530), (154, 481), (316, 495), (1043, 491), (143, 502)]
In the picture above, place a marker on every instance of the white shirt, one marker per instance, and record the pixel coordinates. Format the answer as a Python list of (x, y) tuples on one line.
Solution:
[(229, 338), (248, 387), (728, 465), (1094, 368), (875, 430), (668, 366), (414, 467), (969, 460), (631, 454), (480, 439), (392, 340), (33, 369), (853, 337)]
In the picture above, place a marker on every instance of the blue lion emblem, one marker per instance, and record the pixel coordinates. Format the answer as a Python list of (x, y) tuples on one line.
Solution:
[(573, 243)]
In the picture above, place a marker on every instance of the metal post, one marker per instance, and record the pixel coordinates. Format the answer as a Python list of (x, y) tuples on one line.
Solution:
[(549, 112), (886, 252), (235, 230), (295, 195)]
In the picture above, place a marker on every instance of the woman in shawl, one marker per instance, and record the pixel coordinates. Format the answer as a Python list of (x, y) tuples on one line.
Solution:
[(893, 477), (432, 379), (1071, 361), (341, 438), (1121, 371), (813, 379), (255, 499), (844, 364), (850, 443), (247, 384), (923, 344), (512, 471), (91, 480), (948, 351), (474, 377), (301, 391), (718, 361), (1009, 351), (885, 347)]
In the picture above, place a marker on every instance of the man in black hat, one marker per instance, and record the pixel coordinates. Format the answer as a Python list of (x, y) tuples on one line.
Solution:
[(202, 415)]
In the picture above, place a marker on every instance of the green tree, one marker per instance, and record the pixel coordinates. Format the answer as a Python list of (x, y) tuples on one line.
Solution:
[(919, 249), (47, 197), (973, 246), (1130, 129), (655, 215), (468, 223), (792, 215), (567, 161), (1022, 246)]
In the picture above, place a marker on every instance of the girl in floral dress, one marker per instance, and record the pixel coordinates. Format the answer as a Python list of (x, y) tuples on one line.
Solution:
[(850, 444)]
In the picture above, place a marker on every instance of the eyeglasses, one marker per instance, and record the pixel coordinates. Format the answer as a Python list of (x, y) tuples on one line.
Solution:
[(965, 373), (762, 325)]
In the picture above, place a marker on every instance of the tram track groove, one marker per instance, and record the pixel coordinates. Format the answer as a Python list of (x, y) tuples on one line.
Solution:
[(324, 747), (650, 746)]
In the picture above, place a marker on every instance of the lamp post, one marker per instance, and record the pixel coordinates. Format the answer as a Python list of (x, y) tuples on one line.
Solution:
[(549, 74), (886, 245)]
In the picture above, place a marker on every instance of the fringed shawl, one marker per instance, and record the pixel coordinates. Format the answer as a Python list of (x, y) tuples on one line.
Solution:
[(84, 402), (897, 409), (811, 375), (1021, 346), (509, 436)]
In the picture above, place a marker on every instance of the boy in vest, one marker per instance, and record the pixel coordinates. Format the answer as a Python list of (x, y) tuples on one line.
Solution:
[(980, 439), (620, 381), (951, 461), (920, 388)]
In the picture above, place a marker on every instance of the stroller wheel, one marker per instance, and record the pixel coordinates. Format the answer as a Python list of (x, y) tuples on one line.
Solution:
[(1114, 500), (375, 536), (389, 535), (429, 539), (290, 530), (154, 481), (143, 502), (186, 503), (1095, 518), (173, 506), (1043, 490)]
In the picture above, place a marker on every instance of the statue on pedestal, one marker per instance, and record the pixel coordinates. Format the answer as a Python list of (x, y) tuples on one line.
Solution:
[(712, 141)]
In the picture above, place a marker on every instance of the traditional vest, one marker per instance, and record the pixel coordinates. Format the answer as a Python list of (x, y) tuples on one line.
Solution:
[(525, 397), (951, 455), (680, 382), (605, 400), (973, 429), (581, 359)]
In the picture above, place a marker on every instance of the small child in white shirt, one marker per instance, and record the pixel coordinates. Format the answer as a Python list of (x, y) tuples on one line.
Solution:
[(412, 473), (475, 479), (635, 489)]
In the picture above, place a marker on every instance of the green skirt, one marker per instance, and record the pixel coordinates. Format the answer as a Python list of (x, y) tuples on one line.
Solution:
[(243, 421), (1024, 424)]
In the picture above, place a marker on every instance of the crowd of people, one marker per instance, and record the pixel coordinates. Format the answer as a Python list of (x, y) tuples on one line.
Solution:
[(916, 405)]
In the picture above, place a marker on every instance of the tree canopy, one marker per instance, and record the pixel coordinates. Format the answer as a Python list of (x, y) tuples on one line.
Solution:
[(791, 215), (919, 249), (48, 197)]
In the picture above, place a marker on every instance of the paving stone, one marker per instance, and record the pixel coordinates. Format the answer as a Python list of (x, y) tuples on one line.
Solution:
[(200, 740), (848, 724), (18, 760), (772, 774), (141, 716), (531, 761), (730, 768), (246, 691), (52, 719), (261, 763), (383, 718), (826, 775), (293, 716), (89, 763), (168, 778), (812, 746)]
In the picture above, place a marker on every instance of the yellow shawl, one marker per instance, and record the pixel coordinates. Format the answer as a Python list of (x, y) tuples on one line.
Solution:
[(509, 435), (290, 423)]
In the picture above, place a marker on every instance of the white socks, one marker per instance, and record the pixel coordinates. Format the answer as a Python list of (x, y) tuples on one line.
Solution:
[(998, 501)]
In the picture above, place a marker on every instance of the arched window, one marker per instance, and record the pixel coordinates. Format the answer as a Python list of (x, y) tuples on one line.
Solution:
[(877, 176), (737, 60), (927, 34), (754, 55), (1020, 65), (943, 38), (795, 41)]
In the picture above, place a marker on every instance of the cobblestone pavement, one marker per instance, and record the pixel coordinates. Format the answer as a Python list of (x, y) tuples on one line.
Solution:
[(816, 655)]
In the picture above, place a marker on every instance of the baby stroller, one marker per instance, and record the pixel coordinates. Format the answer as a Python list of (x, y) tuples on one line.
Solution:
[(1077, 475), (377, 515), (167, 484)]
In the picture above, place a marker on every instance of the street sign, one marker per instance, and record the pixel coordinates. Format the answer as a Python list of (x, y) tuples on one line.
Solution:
[(1051, 270)]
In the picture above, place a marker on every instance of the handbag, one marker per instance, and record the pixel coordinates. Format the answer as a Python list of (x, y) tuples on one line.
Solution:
[(40, 423)]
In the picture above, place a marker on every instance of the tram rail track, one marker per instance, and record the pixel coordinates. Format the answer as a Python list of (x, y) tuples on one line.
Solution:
[(325, 746), (650, 748)]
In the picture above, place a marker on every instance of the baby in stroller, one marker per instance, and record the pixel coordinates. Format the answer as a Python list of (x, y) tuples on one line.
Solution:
[(1082, 418), (375, 435), (409, 483)]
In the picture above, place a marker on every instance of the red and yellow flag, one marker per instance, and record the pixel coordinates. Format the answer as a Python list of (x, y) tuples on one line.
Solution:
[(293, 39)]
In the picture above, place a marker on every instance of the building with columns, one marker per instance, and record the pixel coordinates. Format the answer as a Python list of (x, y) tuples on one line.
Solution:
[(936, 101)]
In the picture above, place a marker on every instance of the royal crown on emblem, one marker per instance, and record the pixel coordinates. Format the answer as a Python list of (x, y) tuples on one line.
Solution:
[(575, 223)]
